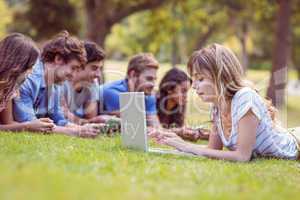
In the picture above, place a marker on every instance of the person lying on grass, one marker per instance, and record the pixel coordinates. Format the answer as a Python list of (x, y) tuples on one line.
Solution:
[(171, 105), (40, 93), (18, 54), (243, 121), (80, 96), (141, 77)]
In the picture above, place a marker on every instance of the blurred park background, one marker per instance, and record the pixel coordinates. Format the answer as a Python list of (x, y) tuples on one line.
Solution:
[(265, 34)]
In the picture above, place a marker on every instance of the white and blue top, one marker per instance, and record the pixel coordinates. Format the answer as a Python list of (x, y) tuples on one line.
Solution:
[(270, 141)]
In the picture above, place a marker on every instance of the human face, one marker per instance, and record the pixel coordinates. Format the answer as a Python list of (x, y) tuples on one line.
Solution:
[(205, 87), (90, 72), (66, 71), (146, 81), (179, 94)]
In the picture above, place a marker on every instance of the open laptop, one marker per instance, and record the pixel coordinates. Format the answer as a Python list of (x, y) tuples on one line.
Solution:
[(133, 124)]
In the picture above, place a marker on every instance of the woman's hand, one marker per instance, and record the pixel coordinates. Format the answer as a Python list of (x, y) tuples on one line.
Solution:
[(158, 133), (191, 134)]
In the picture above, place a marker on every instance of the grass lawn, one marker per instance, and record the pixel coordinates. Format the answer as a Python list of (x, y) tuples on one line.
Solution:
[(59, 167)]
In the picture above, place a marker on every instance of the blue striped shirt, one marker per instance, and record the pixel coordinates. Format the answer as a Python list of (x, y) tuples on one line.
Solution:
[(270, 141)]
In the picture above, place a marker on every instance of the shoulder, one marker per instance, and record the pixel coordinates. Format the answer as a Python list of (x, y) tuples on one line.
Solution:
[(246, 99), (150, 99), (115, 86), (245, 93)]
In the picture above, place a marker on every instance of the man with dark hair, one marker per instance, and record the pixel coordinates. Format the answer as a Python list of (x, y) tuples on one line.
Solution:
[(40, 94), (80, 99), (141, 77)]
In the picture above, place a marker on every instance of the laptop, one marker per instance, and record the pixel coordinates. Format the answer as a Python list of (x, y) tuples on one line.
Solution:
[(133, 124)]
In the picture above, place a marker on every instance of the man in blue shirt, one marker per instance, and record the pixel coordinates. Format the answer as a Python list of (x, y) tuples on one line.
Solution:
[(141, 77), (40, 94)]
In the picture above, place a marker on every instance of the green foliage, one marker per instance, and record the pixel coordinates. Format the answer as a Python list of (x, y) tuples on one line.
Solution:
[(5, 18), (43, 19), (155, 30), (189, 25)]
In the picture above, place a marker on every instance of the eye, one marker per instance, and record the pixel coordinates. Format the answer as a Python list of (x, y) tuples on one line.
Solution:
[(95, 67)]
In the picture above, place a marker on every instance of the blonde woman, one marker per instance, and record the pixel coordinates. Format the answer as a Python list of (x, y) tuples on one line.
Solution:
[(243, 121)]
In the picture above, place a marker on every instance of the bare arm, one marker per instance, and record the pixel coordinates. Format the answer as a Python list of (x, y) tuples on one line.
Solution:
[(214, 141), (153, 121), (247, 127), (8, 123), (69, 115), (91, 110)]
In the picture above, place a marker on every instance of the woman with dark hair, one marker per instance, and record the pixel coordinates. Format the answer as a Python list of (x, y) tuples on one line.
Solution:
[(171, 104), (18, 54)]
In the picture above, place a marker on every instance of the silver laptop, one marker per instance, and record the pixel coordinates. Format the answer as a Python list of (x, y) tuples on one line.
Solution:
[(133, 124)]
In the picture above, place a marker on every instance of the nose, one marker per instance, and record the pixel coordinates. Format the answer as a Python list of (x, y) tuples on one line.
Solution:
[(194, 85), (69, 75), (97, 74)]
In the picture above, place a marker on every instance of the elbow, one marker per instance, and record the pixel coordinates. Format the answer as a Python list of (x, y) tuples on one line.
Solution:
[(243, 158)]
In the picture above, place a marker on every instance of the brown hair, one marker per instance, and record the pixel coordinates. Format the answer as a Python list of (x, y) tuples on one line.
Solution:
[(142, 61), (168, 83), (93, 52), (226, 72), (18, 53), (65, 46)]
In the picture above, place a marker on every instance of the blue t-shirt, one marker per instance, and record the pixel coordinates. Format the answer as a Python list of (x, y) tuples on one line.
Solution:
[(109, 97)]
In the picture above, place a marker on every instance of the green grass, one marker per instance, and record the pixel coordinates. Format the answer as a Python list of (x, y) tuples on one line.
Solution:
[(61, 167), (38, 167)]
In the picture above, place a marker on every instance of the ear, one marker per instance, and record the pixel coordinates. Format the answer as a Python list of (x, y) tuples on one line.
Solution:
[(132, 74), (58, 60)]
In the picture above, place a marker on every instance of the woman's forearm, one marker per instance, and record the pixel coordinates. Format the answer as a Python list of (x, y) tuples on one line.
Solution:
[(217, 154), (14, 126)]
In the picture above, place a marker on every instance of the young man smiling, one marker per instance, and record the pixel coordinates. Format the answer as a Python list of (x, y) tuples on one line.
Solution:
[(80, 96), (141, 77), (40, 94)]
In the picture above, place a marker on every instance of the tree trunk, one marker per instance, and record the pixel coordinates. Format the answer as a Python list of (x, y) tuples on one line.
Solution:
[(174, 52), (97, 21), (103, 14), (203, 38), (243, 39), (276, 89)]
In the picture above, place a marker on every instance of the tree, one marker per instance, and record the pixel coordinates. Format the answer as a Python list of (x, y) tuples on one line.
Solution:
[(280, 54), (296, 37), (103, 14), (172, 31), (49, 17)]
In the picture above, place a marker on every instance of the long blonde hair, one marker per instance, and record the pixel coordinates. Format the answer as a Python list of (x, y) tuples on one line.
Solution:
[(226, 72)]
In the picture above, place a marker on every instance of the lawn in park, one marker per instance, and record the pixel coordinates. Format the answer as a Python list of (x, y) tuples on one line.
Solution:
[(38, 167)]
